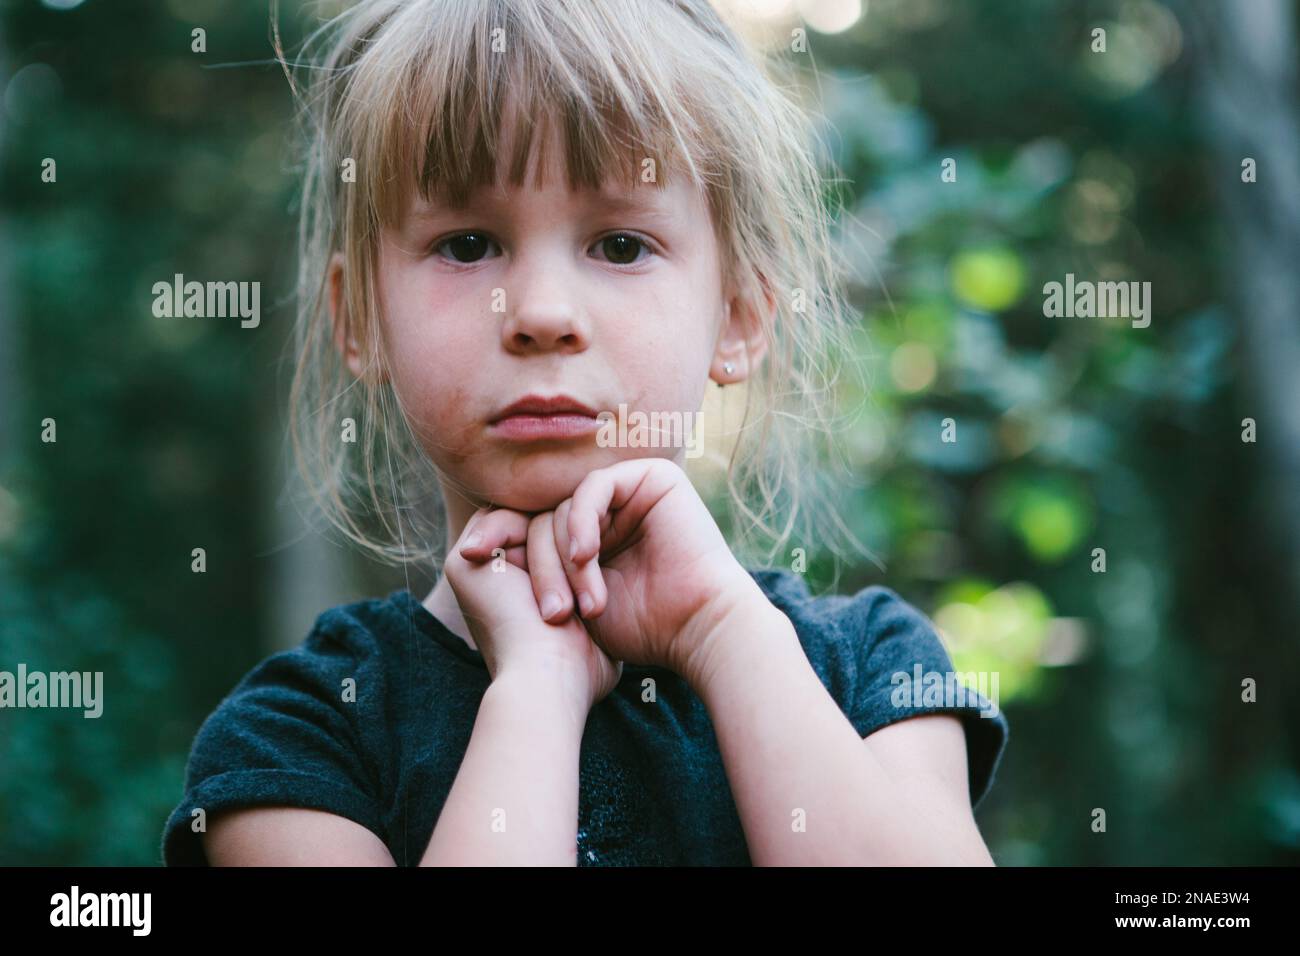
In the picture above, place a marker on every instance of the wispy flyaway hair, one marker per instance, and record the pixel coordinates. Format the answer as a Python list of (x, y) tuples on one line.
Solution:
[(414, 97)]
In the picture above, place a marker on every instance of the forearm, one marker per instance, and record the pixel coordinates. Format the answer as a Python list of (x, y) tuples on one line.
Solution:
[(807, 787), (515, 798)]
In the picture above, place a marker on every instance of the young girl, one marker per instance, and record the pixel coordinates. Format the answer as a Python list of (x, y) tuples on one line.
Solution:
[(523, 220)]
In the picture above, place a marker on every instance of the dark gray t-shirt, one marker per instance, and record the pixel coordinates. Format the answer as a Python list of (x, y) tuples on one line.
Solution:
[(652, 785)]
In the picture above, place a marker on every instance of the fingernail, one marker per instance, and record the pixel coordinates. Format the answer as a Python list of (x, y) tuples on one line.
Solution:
[(573, 548), (585, 603), (551, 603), (474, 540)]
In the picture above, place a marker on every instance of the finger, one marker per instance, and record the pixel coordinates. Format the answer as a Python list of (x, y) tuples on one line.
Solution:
[(622, 495), (516, 555), (493, 529), (585, 579), (471, 532), (456, 564), (454, 556), (550, 585)]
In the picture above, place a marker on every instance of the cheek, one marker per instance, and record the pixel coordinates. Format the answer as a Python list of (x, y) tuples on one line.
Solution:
[(668, 358), (435, 406), (428, 327), (432, 362)]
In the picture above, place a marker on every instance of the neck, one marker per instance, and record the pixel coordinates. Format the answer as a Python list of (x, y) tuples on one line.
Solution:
[(441, 601)]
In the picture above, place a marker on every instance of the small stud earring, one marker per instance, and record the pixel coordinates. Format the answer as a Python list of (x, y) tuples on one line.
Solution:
[(728, 368)]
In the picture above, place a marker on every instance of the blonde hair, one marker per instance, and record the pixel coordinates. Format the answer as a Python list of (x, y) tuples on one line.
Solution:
[(412, 92)]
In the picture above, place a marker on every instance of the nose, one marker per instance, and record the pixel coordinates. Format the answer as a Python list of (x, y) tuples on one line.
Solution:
[(543, 313)]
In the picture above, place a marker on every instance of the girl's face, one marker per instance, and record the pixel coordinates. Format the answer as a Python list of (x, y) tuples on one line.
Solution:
[(603, 298)]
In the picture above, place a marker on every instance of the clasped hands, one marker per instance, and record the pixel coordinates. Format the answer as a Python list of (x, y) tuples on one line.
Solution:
[(631, 567)]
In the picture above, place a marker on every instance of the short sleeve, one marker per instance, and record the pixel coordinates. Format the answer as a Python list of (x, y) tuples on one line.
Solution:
[(903, 670), (286, 735)]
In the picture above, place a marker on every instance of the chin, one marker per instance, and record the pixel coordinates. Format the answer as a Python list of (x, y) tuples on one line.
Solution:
[(540, 482), (532, 500), (537, 485)]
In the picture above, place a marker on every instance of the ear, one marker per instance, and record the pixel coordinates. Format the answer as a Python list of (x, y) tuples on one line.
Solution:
[(742, 341), (344, 339)]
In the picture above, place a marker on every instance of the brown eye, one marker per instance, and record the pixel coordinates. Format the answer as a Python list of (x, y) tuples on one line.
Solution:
[(622, 248), (468, 247)]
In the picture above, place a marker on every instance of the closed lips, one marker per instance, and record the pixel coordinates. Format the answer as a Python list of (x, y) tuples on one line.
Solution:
[(534, 405)]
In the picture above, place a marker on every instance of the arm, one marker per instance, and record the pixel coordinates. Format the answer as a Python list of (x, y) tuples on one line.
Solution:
[(515, 798), (899, 797), (291, 836), (522, 758)]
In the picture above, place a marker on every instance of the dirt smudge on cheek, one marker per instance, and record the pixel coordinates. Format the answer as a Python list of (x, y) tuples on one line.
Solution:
[(444, 426)]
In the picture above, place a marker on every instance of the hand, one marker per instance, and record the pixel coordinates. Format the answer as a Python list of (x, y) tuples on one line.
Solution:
[(660, 577), (496, 596)]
